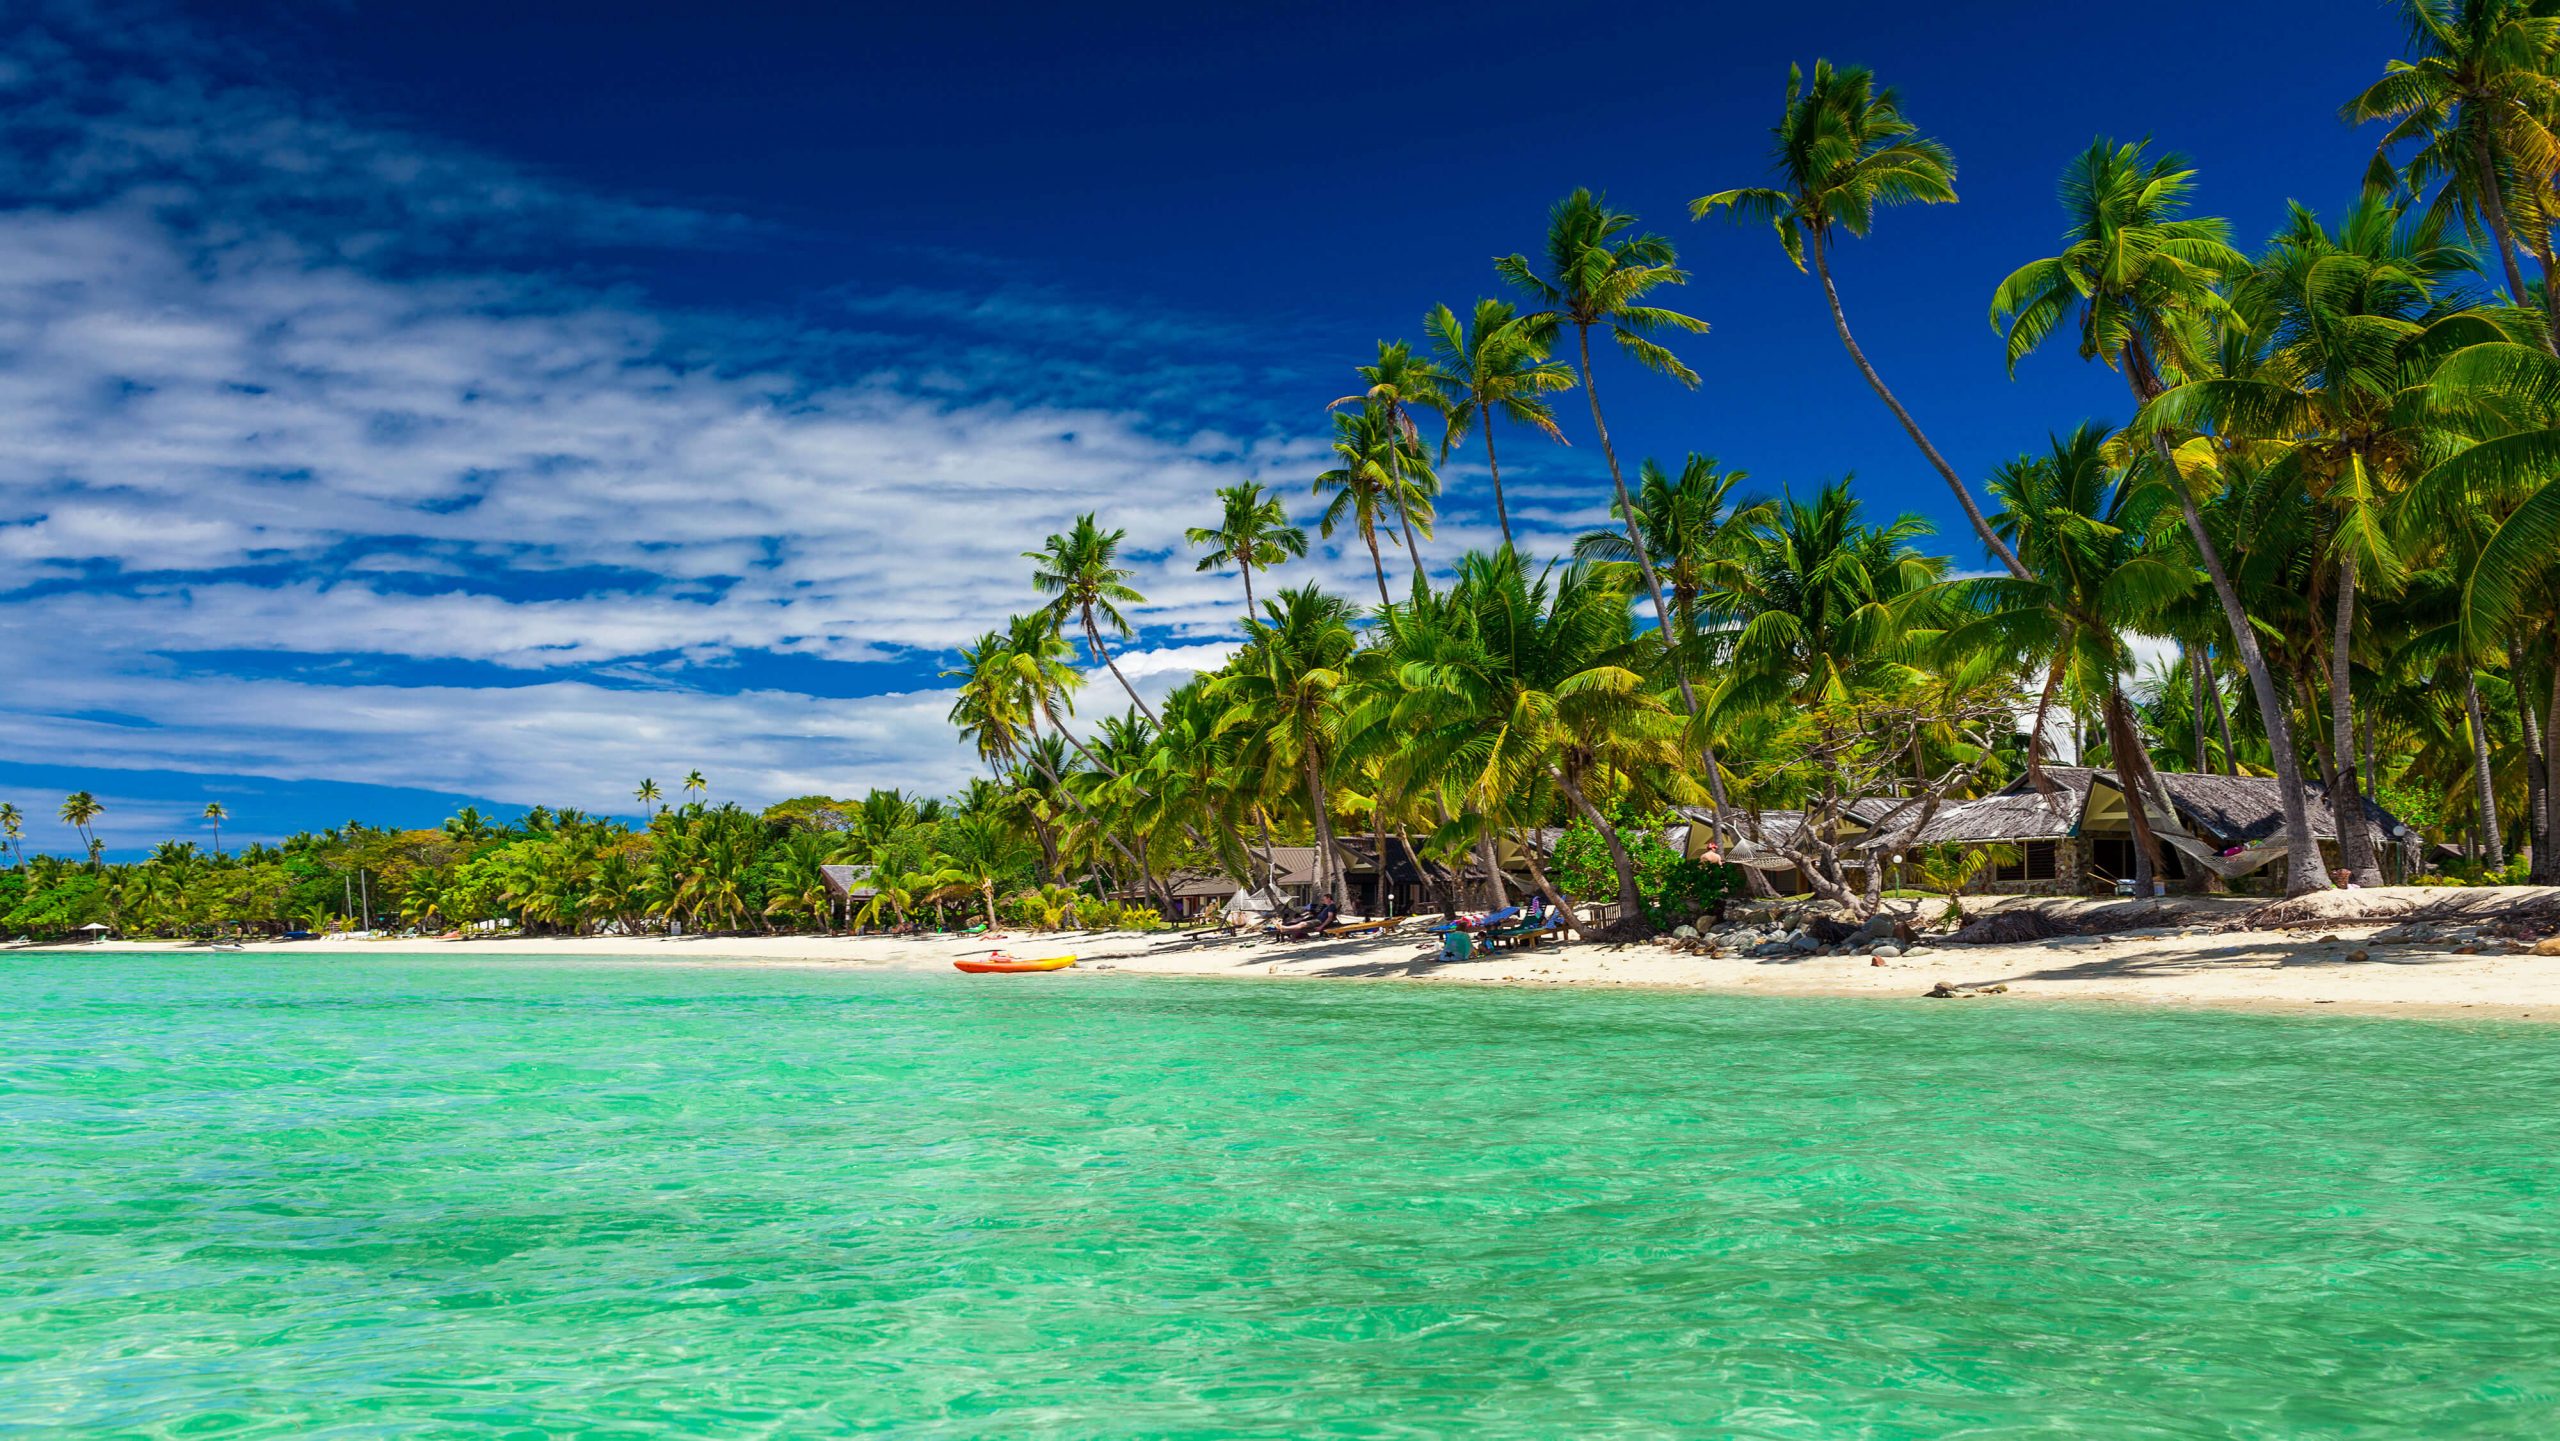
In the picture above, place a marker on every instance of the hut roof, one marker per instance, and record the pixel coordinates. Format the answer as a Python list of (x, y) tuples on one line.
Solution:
[(849, 883), (2242, 810), (1186, 884), (2000, 819), (1291, 865), (1360, 853)]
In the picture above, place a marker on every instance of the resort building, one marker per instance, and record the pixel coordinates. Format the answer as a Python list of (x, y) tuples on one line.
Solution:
[(2079, 839)]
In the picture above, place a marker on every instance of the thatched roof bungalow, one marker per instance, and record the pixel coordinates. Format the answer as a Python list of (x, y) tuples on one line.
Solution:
[(2081, 836)]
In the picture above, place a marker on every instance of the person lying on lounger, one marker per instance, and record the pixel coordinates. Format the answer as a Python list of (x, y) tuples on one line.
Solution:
[(1324, 913)]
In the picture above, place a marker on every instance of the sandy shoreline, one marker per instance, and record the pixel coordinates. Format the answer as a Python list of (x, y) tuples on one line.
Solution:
[(2254, 969)]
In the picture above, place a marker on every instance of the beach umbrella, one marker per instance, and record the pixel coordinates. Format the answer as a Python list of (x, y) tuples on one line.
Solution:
[(1252, 903), (98, 931)]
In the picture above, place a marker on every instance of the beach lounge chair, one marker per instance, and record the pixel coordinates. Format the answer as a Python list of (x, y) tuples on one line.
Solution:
[(1384, 925), (1525, 935), (1491, 920)]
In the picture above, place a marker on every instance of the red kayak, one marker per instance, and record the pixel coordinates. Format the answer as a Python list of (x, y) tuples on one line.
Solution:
[(1007, 965)]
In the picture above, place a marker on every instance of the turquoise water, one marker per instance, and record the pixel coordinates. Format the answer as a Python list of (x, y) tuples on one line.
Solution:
[(328, 1196)]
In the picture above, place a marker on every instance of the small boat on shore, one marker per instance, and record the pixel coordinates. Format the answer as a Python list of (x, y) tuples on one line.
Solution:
[(1006, 965)]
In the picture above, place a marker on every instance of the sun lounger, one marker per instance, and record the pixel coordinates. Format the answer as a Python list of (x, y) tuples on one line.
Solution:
[(1384, 925), (1528, 935), (1488, 922)]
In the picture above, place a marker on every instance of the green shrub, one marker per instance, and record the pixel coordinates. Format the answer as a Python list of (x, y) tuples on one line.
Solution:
[(1675, 889)]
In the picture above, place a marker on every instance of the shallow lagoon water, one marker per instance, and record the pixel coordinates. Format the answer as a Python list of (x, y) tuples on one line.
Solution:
[(342, 1196)]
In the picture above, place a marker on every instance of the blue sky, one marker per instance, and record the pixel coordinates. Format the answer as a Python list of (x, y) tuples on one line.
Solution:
[(409, 404)]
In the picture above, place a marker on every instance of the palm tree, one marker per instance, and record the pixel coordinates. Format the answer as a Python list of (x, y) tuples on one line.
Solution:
[(2092, 536), (1843, 149), (647, 794), (1377, 463), (695, 787), (1695, 529), (1399, 381), (1495, 362), (1253, 531), (214, 812), (2143, 276), (78, 809), (13, 824), (1596, 276), (1558, 698), (1286, 682), (2477, 100), (1082, 569)]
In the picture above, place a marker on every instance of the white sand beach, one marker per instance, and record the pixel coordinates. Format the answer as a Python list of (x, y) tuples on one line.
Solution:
[(2339, 966)]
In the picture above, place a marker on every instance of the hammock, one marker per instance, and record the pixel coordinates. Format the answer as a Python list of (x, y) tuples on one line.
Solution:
[(2230, 868)]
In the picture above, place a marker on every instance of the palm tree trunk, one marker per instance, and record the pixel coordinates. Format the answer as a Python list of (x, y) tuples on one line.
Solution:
[(1329, 868), (1245, 568), (2484, 785), (2195, 709), (1502, 513), (1631, 917), (1093, 637), (1547, 888), (2222, 720), (1377, 563), (2303, 872), (1395, 475), (1635, 532), (1492, 860), (2546, 855), (2346, 798), (2133, 768), (2494, 210), (1378, 838), (1875, 382), (1672, 640), (2537, 817)]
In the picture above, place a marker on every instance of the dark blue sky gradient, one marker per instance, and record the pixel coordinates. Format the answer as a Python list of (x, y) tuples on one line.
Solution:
[(1325, 172)]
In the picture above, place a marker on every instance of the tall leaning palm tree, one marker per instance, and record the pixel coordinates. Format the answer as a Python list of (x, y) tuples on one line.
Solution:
[(13, 824), (2142, 277), (1377, 463), (215, 813), (2473, 106), (1400, 382), (647, 795), (1595, 275), (1081, 569), (1253, 533), (1843, 149), (1495, 362)]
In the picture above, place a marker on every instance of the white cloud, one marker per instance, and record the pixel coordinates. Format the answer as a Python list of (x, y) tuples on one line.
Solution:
[(236, 427)]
